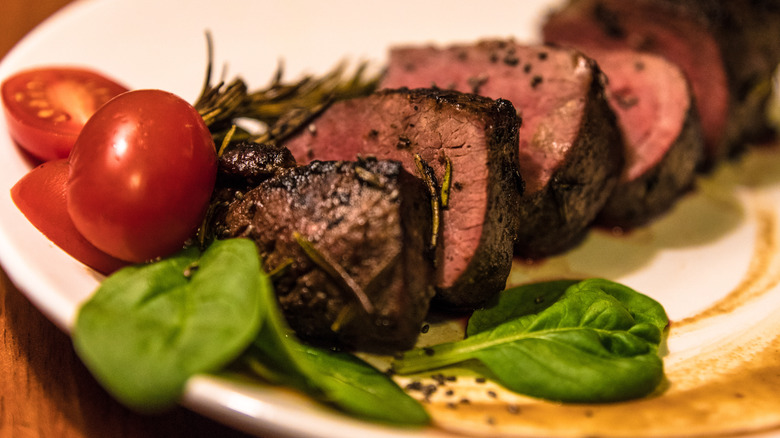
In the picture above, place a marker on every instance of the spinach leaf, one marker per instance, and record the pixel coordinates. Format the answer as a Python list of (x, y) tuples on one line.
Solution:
[(597, 343), (335, 378), (517, 301), (148, 328)]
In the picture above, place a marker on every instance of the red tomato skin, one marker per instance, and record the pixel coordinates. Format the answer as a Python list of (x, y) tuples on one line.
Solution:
[(141, 175), (46, 108), (40, 196)]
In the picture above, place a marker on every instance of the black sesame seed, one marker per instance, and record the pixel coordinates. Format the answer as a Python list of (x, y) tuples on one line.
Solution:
[(513, 409), (535, 81), (480, 380), (425, 328), (429, 351), (542, 55), (492, 394)]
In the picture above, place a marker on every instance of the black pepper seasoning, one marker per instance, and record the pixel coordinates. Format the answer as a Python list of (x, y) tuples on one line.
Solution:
[(403, 142), (535, 81), (511, 59), (415, 385)]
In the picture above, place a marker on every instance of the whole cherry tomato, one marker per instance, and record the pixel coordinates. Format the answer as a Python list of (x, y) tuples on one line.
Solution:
[(40, 196), (141, 175), (46, 108)]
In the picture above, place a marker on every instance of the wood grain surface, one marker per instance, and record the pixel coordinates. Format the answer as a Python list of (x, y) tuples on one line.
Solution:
[(45, 391)]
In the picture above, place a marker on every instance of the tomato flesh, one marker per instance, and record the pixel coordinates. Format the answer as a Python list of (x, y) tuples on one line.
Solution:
[(46, 108), (141, 175), (40, 196)]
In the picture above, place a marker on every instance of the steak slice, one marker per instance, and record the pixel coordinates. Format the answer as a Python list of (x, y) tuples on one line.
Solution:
[(664, 145), (477, 136), (570, 149), (368, 281), (748, 33), (727, 49)]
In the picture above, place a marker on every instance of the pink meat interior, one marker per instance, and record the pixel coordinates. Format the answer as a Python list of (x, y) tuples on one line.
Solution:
[(396, 127), (547, 86)]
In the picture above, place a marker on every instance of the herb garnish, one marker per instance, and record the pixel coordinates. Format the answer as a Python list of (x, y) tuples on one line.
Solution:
[(597, 342), (148, 328), (151, 327), (283, 107)]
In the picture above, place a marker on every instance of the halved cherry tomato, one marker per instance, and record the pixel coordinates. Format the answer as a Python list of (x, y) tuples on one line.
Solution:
[(40, 195), (141, 175), (46, 108)]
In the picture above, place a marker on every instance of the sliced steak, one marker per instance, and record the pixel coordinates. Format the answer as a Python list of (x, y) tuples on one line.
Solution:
[(476, 135), (657, 116), (351, 240), (570, 149), (727, 49), (748, 33)]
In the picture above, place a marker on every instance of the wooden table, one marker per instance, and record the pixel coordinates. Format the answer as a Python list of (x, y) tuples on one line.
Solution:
[(45, 391)]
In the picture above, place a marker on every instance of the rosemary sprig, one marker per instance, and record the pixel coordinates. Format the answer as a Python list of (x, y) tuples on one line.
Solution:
[(282, 107), (446, 183), (429, 178)]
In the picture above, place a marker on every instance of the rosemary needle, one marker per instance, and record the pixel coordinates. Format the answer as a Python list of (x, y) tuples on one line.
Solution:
[(336, 272)]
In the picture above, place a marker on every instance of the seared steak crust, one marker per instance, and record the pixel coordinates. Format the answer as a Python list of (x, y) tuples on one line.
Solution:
[(477, 136), (570, 150), (370, 221), (248, 164), (561, 213)]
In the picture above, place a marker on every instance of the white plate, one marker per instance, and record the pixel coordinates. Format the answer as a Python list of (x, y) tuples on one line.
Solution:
[(713, 262)]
